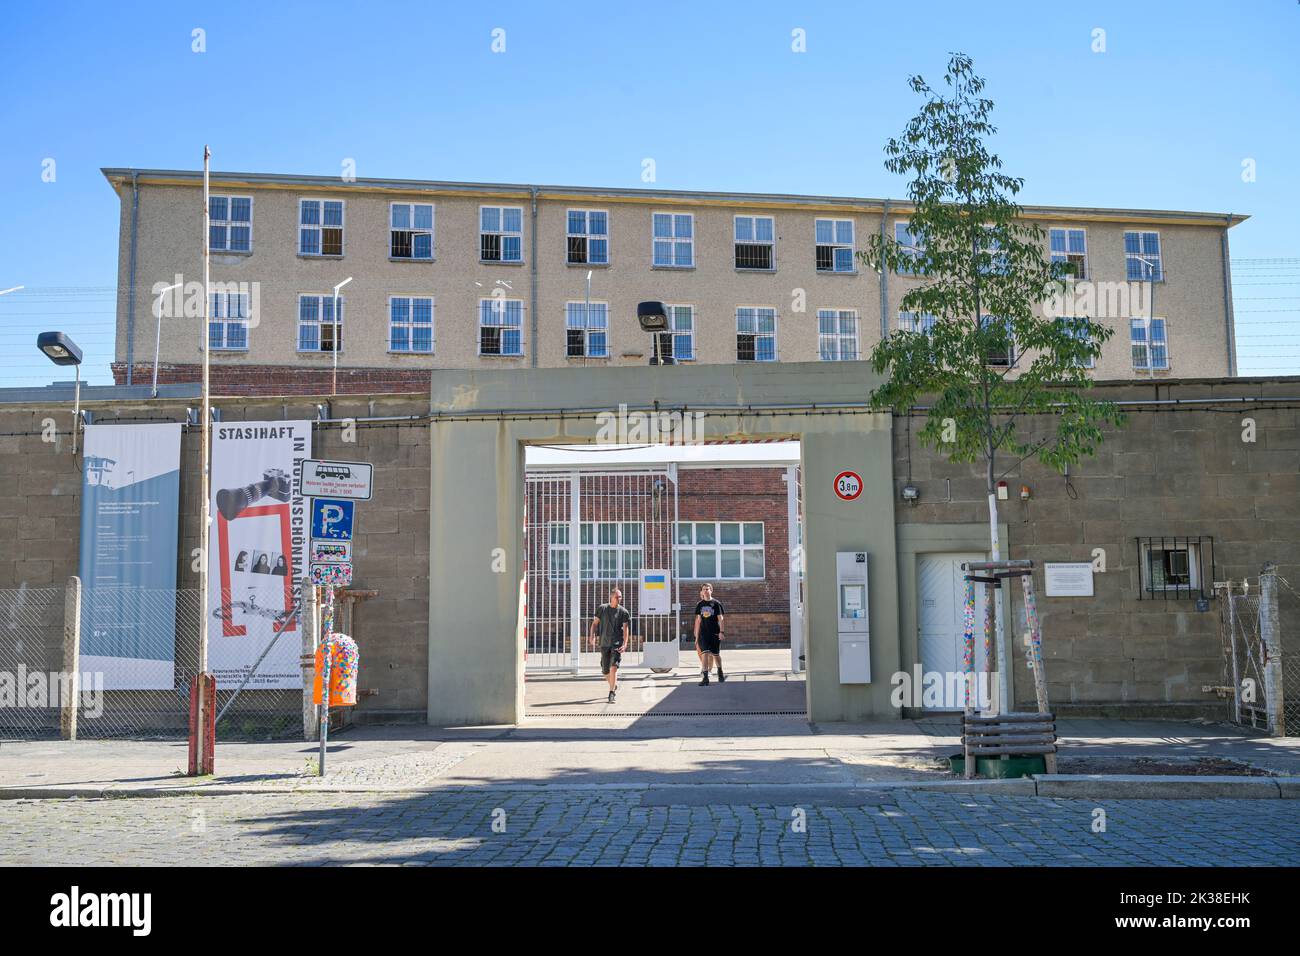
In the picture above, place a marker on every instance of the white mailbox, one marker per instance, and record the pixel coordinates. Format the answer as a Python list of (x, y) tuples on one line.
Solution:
[(854, 621)]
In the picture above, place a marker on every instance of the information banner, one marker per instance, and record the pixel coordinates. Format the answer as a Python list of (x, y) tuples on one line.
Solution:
[(258, 551), (130, 507)]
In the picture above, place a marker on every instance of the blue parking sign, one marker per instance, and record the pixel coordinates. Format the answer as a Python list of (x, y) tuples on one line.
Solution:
[(331, 519)]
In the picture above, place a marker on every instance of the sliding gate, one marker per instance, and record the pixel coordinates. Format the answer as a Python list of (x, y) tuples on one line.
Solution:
[(587, 532)]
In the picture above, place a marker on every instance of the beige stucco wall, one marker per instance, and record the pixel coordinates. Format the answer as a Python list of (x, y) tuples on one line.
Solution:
[(169, 243)]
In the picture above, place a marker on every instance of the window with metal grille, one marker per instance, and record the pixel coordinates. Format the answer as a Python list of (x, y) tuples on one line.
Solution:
[(1175, 567), (1150, 344), (501, 237), (916, 322), (316, 325), (587, 330), (607, 550), (228, 327), (230, 223), (1142, 257), (320, 227), (755, 334), (1070, 248), (1000, 350), (501, 326), (410, 323), (411, 231), (837, 334), (674, 240), (588, 237), (833, 239), (755, 242), (911, 245)]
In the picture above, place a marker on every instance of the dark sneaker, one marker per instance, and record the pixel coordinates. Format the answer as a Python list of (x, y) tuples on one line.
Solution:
[(611, 697), (721, 676), (705, 681)]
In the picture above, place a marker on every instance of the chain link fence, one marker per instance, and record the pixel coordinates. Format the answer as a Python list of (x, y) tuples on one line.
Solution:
[(139, 654), (1261, 653)]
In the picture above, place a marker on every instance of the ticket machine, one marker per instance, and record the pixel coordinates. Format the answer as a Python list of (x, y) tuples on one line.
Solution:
[(854, 620)]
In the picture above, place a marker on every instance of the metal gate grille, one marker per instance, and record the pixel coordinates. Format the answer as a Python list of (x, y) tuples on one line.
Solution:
[(585, 533)]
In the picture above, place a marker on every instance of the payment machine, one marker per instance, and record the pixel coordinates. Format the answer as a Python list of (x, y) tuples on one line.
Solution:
[(854, 621)]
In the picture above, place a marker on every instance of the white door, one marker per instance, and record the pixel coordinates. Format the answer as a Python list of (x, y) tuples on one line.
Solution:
[(941, 605)]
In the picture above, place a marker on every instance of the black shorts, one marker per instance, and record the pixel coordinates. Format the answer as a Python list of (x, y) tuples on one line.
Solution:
[(710, 643), (610, 657)]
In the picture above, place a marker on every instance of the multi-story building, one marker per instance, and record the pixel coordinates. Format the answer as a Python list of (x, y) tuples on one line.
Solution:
[(463, 275)]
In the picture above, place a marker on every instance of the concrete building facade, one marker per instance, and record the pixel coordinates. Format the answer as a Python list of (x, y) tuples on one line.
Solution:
[(482, 276)]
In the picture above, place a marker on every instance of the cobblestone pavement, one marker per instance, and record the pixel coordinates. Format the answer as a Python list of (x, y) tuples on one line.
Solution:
[(683, 826)]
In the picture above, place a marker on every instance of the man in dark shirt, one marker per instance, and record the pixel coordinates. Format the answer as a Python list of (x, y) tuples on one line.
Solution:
[(708, 634), (611, 625)]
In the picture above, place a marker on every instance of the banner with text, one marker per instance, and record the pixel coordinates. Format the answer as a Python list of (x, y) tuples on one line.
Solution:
[(258, 551), (130, 508)]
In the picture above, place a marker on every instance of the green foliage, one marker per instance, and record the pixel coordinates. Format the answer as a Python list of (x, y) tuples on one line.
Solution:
[(976, 257)]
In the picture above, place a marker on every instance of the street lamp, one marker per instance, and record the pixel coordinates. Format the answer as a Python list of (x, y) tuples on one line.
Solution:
[(334, 346), (1150, 263), (157, 339), (61, 350), (653, 317)]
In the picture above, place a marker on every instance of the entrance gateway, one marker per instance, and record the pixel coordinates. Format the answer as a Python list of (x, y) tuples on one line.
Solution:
[(482, 421)]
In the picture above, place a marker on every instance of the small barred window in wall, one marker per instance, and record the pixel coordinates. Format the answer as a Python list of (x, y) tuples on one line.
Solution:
[(410, 324), (501, 236), (834, 245), (755, 334), (1150, 346), (710, 550), (679, 340), (320, 227), (587, 330), (588, 237), (837, 334), (608, 550), (1142, 257), (911, 243), (230, 223), (411, 231), (755, 242), (501, 326), (1070, 248), (916, 322), (1001, 351), (228, 327), (674, 240), (316, 325)]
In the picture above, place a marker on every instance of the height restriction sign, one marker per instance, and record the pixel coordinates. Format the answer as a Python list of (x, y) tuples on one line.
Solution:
[(848, 485)]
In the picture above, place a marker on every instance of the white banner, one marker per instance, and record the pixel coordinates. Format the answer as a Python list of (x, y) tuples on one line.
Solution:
[(258, 551)]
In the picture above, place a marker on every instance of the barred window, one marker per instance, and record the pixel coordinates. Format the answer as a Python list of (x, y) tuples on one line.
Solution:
[(316, 325), (674, 240), (230, 223), (501, 326), (588, 237), (320, 227), (755, 334), (411, 231), (1142, 257), (501, 236), (410, 323), (755, 242), (1070, 247), (587, 330), (837, 334)]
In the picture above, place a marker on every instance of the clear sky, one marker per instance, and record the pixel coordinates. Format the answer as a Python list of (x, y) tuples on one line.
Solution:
[(1182, 95)]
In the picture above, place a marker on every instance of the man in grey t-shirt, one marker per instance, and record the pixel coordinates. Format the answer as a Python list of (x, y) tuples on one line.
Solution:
[(612, 625)]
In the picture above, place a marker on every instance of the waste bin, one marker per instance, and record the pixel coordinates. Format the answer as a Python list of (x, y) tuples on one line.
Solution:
[(344, 664)]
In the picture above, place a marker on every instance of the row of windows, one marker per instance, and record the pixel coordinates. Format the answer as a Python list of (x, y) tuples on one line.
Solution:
[(613, 550), (500, 330), (411, 237)]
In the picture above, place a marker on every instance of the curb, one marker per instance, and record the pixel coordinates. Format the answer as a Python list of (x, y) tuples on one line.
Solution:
[(1060, 786)]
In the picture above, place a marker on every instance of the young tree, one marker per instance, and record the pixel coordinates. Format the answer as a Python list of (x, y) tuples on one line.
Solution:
[(979, 351)]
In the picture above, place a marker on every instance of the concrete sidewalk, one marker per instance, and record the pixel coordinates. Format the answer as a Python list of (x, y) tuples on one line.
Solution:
[(613, 752)]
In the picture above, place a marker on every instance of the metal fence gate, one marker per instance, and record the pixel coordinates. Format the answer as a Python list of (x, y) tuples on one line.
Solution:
[(587, 532), (1261, 652)]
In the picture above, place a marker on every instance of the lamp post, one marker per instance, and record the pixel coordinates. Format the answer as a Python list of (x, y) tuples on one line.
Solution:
[(1149, 263), (61, 350), (334, 346), (157, 339), (205, 425)]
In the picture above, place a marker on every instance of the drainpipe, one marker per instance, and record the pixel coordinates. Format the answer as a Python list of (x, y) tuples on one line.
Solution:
[(532, 268), (884, 279), (1227, 301), (130, 302)]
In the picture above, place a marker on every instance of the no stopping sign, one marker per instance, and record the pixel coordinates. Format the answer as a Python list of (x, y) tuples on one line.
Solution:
[(848, 485)]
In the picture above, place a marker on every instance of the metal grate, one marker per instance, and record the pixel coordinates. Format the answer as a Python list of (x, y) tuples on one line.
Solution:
[(1175, 568)]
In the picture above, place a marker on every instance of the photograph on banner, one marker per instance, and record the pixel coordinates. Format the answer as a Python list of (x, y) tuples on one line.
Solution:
[(258, 551), (130, 507)]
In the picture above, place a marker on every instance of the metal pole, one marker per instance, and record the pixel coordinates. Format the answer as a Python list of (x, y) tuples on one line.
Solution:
[(325, 674), (157, 339), (334, 386), (71, 657), (76, 411), (1270, 637), (205, 423), (575, 569)]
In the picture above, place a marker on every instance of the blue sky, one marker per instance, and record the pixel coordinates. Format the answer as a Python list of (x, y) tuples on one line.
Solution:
[(1164, 118)]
